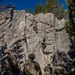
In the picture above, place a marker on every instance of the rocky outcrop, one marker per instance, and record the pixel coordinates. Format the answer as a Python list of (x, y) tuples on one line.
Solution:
[(41, 34)]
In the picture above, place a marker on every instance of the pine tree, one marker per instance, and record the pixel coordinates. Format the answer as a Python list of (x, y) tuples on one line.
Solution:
[(38, 9), (71, 24), (55, 7), (71, 13), (51, 6), (60, 12)]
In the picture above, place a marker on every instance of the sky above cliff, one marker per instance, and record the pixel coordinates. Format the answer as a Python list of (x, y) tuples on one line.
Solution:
[(24, 4)]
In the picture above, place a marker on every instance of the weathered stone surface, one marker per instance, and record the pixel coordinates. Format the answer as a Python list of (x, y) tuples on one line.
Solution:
[(23, 32)]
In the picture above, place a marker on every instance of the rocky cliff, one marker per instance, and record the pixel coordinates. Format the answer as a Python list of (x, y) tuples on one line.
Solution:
[(41, 34)]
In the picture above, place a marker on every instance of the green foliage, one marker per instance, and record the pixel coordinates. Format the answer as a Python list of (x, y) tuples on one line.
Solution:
[(71, 13), (71, 23), (69, 2), (60, 12), (38, 9), (51, 6)]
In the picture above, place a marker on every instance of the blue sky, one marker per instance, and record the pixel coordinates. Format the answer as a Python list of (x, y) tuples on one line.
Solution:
[(24, 4)]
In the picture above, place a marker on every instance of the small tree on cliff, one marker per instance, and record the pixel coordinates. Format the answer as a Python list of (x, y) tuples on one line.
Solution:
[(28, 10), (39, 8)]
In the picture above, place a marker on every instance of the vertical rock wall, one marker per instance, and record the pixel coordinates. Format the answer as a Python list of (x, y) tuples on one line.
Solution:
[(41, 34)]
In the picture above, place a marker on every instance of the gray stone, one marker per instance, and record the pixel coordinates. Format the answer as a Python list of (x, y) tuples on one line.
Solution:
[(27, 30)]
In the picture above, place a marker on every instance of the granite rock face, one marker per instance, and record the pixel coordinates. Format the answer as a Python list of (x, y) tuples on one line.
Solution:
[(41, 34)]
